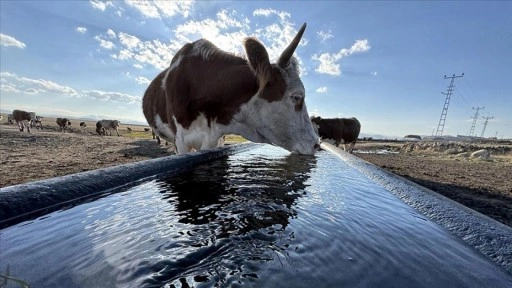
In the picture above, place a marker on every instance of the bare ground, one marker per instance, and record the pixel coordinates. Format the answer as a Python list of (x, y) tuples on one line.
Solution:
[(484, 186)]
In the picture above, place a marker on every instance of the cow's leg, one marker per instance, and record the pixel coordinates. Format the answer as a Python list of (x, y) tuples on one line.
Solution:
[(117, 132), (28, 127), (351, 147)]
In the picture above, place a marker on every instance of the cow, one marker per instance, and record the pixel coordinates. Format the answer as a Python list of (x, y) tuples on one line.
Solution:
[(10, 119), (130, 130), (340, 130), (157, 137), (147, 130), (100, 129), (82, 126), (35, 121), (63, 123), (22, 118), (207, 93), (107, 125)]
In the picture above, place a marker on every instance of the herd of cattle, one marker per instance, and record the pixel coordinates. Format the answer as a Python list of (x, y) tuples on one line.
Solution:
[(193, 106), (27, 120)]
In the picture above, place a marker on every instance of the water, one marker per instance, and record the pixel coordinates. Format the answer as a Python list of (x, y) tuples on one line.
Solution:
[(261, 218)]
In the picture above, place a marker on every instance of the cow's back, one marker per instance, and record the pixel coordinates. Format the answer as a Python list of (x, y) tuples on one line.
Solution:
[(351, 129), (20, 115)]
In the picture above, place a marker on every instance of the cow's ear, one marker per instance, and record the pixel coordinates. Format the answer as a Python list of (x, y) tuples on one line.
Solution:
[(259, 61)]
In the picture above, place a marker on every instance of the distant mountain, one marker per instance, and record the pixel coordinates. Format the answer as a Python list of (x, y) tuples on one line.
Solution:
[(379, 136)]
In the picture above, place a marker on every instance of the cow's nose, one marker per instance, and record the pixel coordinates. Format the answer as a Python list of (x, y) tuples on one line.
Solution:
[(316, 147)]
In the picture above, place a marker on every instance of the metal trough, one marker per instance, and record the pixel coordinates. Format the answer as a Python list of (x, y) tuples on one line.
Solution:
[(247, 214)]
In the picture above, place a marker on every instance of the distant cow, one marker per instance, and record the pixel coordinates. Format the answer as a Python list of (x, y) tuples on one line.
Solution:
[(36, 121), (130, 130), (63, 123), (22, 118), (82, 126), (107, 125), (99, 129), (10, 119), (340, 130), (207, 93), (147, 130)]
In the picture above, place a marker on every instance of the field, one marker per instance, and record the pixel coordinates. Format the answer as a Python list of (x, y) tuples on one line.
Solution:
[(484, 186)]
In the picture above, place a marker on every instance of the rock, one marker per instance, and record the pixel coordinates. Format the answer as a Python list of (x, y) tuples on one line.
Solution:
[(483, 154), (463, 154), (452, 151)]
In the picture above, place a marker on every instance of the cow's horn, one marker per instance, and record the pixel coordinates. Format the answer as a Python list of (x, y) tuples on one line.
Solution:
[(285, 57)]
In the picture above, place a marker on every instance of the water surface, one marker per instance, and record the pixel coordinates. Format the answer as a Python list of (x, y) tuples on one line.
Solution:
[(261, 218)]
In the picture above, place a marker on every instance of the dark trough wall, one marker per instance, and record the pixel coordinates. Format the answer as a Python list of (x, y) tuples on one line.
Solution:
[(487, 235), (27, 201)]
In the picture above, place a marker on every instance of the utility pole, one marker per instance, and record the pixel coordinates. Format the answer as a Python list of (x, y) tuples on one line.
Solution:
[(474, 120), (449, 91), (485, 124)]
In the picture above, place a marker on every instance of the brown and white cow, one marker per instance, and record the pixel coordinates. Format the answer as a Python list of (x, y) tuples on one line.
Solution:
[(103, 125), (63, 123), (83, 124), (22, 118), (340, 130), (207, 93)]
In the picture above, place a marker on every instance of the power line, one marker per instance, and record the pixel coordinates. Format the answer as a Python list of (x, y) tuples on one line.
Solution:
[(449, 91), (485, 125)]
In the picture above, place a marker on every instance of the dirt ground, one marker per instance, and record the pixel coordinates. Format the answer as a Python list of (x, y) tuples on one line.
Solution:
[(484, 186)]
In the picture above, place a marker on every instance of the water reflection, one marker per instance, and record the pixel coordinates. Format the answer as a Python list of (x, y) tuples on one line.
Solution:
[(236, 210)]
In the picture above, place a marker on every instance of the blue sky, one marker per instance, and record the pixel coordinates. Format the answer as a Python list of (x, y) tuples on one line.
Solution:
[(382, 62)]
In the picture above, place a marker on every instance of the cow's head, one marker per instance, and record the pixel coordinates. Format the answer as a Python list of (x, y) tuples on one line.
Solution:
[(279, 113), (316, 123)]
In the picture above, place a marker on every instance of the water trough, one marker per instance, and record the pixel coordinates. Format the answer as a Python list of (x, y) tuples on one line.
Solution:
[(247, 215)]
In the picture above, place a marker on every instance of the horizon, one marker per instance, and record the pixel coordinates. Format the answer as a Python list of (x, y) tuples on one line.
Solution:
[(381, 62)]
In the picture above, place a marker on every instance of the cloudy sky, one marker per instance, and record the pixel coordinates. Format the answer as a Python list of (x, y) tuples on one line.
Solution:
[(382, 62)]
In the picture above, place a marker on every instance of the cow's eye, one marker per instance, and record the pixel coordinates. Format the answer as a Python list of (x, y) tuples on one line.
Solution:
[(296, 98)]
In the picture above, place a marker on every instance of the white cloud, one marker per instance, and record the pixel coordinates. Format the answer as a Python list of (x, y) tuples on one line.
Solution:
[(161, 9), (9, 88), (81, 30), (374, 73), (6, 41), (31, 91), (33, 86), (112, 96), (226, 29), (138, 66), (321, 89), (101, 5), (111, 34), (329, 61), (268, 12), (142, 80), (128, 41), (324, 35), (105, 43)]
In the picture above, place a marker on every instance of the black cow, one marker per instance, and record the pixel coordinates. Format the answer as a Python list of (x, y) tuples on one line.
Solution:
[(339, 130)]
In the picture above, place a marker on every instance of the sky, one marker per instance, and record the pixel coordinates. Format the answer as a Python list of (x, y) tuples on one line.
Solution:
[(383, 62)]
